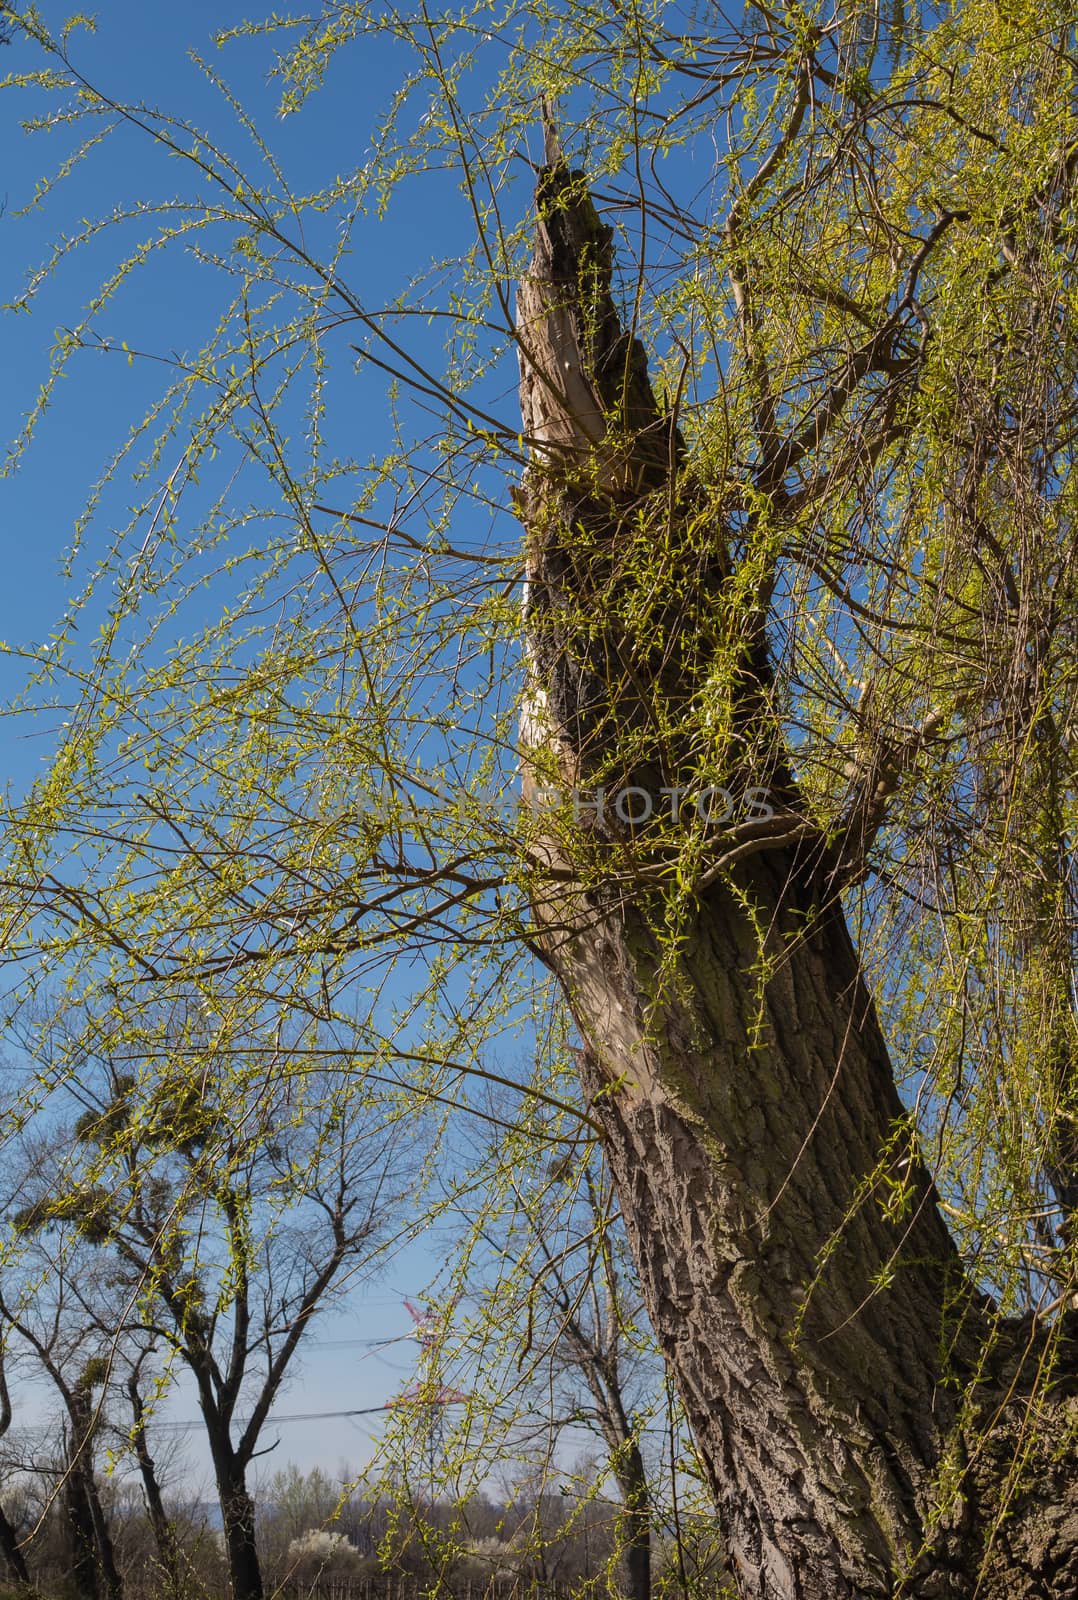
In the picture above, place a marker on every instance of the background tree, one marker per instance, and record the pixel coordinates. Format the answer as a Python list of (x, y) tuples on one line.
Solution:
[(295, 1503), (170, 1554), (578, 1354), (45, 1311), (223, 1240), (592, 1339)]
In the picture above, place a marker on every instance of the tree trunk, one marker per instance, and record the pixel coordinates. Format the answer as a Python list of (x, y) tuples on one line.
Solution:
[(10, 1554), (106, 1550), (89, 1524), (168, 1551), (634, 1523), (238, 1517), (81, 1539), (798, 1275)]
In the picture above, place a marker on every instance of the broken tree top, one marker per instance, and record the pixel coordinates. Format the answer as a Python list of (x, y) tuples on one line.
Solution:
[(585, 396)]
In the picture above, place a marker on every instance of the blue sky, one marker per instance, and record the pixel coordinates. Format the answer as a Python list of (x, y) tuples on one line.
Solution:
[(168, 310), (140, 52)]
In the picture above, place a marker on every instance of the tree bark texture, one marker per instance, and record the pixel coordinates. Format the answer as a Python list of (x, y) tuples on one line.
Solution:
[(825, 1339), (238, 1516), (93, 1555), (634, 1523), (168, 1550), (81, 1541)]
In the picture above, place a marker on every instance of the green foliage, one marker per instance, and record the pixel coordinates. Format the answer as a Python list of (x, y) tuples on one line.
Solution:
[(277, 668)]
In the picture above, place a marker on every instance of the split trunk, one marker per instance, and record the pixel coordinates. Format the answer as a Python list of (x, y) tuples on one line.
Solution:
[(864, 1418)]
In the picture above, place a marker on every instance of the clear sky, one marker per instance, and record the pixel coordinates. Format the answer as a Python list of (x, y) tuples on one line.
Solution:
[(141, 53)]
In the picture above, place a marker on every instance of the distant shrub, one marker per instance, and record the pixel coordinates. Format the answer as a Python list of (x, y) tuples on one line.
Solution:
[(318, 1552), (491, 1558)]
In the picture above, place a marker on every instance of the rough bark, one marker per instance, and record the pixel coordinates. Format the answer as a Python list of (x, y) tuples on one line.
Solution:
[(244, 1571), (238, 1516), (10, 1551), (634, 1523), (828, 1347), (93, 1554)]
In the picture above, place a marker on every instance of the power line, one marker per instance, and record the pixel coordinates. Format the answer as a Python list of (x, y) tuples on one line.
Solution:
[(295, 1416), (448, 1397), (371, 1345), (348, 1344)]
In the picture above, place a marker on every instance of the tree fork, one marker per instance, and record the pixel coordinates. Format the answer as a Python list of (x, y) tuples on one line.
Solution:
[(855, 1400)]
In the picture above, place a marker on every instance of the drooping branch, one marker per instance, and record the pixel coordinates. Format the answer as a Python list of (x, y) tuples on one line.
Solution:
[(829, 1348)]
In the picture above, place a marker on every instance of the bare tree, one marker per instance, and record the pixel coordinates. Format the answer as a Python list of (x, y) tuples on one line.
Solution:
[(170, 1554), (590, 1325), (221, 1243), (72, 1352), (581, 1336)]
